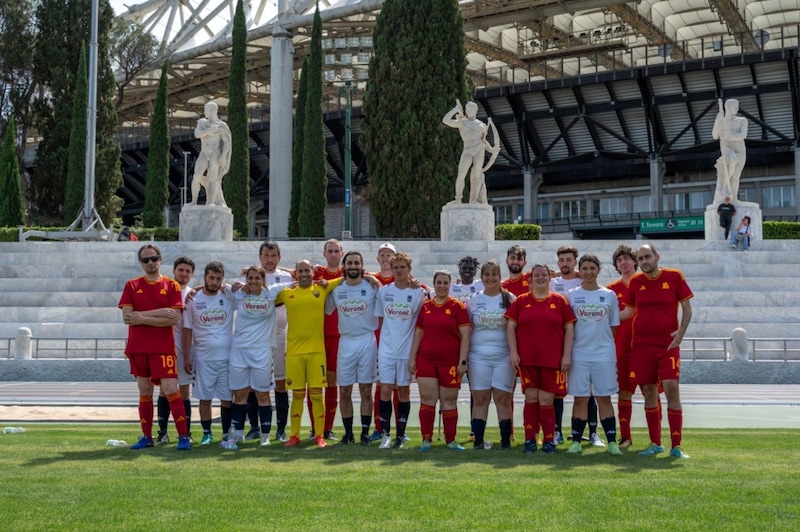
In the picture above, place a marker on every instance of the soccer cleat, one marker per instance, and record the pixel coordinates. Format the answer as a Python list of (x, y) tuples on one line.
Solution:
[(291, 442), (624, 444), (505, 446), (549, 447), (329, 435), (426, 446), (162, 439), (282, 437), (143, 443), (530, 446), (184, 443), (365, 440), (253, 434), (677, 452), (652, 450), (229, 444), (311, 435), (454, 446), (595, 440), (320, 442), (406, 438), (347, 439), (613, 448), (208, 439), (482, 446), (398, 443), (265, 440), (376, 436), (386, 442), (575, 448), (558, 437)]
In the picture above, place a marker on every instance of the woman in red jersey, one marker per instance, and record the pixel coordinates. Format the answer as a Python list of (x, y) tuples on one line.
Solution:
[(540, 331), (439, 359)]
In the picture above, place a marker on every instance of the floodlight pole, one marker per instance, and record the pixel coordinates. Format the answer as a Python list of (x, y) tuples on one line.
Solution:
[(348, 93)]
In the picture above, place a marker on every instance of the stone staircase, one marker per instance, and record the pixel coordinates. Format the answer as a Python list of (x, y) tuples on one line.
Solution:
[(71, 289)]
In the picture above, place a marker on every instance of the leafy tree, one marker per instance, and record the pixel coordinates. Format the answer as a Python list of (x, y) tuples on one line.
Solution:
[(132, 48), (237, 184), (76, 167), (314, 187), (11, 212), (415, 76), (156, 191), (16, 61), (297, 152)]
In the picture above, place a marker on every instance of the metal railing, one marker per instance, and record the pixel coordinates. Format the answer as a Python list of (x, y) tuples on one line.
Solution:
[(69, 348)]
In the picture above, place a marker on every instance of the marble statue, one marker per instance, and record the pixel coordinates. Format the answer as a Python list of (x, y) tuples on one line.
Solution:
[(474, 134), (730, 130), (214, 160)]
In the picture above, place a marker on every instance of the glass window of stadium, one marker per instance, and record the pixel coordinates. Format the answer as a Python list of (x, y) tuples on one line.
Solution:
[(642, 203), (748, 194), (777, 197), (685, 201), (542, 210), (611, 205), (568, 209)]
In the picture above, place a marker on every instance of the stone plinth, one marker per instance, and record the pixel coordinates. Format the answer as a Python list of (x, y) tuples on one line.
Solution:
[(743, 208), (467, 221), (206, 223)]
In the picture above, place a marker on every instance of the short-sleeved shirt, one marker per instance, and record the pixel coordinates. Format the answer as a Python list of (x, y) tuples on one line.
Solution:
[(518, 286), (399, 308), (624, 332), (177, 329), (488, 340), (559, 285), (279, 277), (331, 320), (255, 317), (440, 323), (465, 292), (656, 305), (356, 308), (210, 317), (540, 328), (143, 295), (596, 311), (305, 311), (726, 211)]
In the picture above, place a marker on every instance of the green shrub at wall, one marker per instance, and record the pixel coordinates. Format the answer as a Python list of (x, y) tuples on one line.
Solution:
[(517, 232), (781, 230)]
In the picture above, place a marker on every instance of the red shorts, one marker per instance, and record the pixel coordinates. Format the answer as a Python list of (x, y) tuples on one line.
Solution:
[(156, 367), (548, 380), (331, 352), (447, 375), (652, 363)]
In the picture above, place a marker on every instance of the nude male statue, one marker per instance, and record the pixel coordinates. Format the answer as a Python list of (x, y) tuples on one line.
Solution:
[(214, 160), (731, 130)]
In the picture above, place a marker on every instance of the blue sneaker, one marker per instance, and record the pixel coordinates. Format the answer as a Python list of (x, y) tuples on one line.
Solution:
[(426, 446), (677, 452), (208, 439), (653, 449), (376, 436), (184, 443), (530, 446), (143, 443), (454, 446), (549, 447)]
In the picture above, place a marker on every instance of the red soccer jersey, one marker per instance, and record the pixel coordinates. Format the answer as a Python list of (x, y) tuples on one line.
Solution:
[(440, 323), (384, 280), (540, 328), (331, 320), (624, 332), (143, 295), (520, 285), (656, 303)]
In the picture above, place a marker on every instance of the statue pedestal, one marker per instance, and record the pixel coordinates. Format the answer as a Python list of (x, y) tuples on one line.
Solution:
[(743, 208), (206, 223), (467, 221)]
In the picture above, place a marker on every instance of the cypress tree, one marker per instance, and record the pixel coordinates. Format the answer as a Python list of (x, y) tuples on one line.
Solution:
[(76, 167), (297, 151), (11, 211), (314, 187), (237, 183), (156, 190), (415, 76)]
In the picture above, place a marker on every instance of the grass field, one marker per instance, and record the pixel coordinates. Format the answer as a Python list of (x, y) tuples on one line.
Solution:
[(64, 477)]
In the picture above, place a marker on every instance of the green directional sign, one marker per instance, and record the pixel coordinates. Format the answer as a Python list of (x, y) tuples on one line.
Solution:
[(666, 225)]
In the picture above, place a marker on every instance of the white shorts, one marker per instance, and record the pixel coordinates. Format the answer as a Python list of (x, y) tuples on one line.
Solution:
[(211, 380), (593, 377), (394, 371), (357, 360), (184, 379), (251, 367), (488, 374)]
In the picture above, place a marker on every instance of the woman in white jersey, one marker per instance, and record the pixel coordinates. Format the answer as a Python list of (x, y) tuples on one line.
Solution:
[(491, 374)]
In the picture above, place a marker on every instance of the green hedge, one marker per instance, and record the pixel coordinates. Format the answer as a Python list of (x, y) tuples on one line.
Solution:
[(161, 234), (517, 232), (781, 230)]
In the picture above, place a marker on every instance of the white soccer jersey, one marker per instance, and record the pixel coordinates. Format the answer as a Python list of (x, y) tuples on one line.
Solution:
[(399, 308), (356, 307), (488, 340), (596, 312), (255, 317), (279, 277), (465, 292), (562, 286), (177, 329), (211, 321)]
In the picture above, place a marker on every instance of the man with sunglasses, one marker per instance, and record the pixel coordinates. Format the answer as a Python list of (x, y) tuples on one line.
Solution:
[(151, 305)]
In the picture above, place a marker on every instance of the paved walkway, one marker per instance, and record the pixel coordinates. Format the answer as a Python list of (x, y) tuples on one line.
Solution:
[(705, 405)]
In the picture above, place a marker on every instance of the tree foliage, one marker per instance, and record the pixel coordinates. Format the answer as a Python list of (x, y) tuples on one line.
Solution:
[(297, 152), (415, 76), (11, 212), (156, 191), (16, 60), (314, 187), (237, 184), (132, 49), (76, 166)]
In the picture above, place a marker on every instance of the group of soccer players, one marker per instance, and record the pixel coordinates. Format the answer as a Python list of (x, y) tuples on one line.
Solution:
[(319, 330)]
